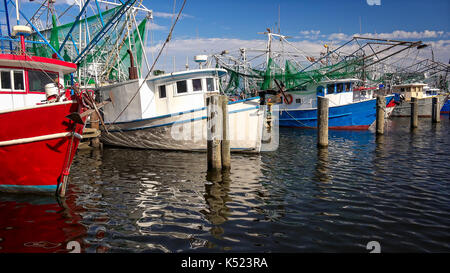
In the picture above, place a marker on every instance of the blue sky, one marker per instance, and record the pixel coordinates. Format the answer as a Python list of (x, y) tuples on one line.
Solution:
[(243, 19), (210, 26)]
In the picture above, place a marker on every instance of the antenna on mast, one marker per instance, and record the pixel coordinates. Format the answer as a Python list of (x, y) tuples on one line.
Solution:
[(279, 28)]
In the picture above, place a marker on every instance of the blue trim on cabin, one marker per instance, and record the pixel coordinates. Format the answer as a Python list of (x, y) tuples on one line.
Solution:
[(178, 113), (243, 100), (180, 121), (162, 116)]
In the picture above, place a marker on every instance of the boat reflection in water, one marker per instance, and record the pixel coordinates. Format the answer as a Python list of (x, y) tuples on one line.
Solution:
[(33, 223)]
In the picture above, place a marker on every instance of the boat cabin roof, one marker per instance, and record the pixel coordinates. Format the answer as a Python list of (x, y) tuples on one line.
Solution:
[(341, 80), (416, 84), (188, 74), (35, 62)]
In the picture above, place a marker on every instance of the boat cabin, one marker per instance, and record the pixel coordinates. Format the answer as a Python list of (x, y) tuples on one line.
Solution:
[(161, 95), (338, 92), (430, 92), (410, 90), (23, 79)]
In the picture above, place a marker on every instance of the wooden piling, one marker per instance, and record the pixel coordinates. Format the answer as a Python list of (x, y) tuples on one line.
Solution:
[(381, 110), (94, 120), (226, 154), (414, 113), (322, 121), (435, 111), (214, 133)]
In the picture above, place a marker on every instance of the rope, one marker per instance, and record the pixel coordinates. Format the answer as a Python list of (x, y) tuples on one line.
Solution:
[(169, 36)]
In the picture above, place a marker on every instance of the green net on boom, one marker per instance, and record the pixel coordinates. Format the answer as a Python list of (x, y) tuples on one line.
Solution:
[(294, 77), (109, 59)]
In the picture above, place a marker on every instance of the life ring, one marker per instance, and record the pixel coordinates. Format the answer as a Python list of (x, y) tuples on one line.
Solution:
[(288, 99)]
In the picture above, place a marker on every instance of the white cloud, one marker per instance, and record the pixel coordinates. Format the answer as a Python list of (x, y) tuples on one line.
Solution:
[(397, 34), (188, 48), (154, 26), (339, 37), (166, 15), (401, 34), (309, 34)]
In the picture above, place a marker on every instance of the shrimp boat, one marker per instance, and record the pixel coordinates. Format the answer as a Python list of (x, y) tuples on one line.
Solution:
[(421, 91), (38, 140), (168, 112), (348, 108), (339, 76)]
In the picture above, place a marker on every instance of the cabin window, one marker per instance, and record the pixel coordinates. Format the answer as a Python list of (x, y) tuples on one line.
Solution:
[(339, 87), (162, 91), (320, 91), (330, 88), (5, 79), (181, 87), (197, 84), (348, 86), (210, 84), (298, 101), (19, 82), (38, 79)]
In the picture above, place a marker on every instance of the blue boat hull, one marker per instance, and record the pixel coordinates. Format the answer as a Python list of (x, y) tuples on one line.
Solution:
[(355, 116), (446, 108)]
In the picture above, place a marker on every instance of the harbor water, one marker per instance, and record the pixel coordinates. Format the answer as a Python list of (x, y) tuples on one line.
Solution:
[(393, 189)]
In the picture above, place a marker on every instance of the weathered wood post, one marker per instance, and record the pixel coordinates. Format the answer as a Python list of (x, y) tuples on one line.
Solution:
[(414, 113), (226, 155), (214, 133), (95, 122), (381, 112), (322, 121), (435, 111)]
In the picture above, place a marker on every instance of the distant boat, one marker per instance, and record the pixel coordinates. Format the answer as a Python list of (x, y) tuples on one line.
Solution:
[(168, 112), (348, 108), (446, 107), (421, 91)]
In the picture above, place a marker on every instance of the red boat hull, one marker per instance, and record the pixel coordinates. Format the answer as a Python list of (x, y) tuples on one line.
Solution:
[(37, 146)]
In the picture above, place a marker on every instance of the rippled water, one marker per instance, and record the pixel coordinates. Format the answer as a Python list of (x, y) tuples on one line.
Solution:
[(394, 189)]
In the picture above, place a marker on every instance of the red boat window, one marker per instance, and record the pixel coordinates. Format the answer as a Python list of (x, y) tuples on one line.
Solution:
[(19, 81), (5, 81), (38, 79)]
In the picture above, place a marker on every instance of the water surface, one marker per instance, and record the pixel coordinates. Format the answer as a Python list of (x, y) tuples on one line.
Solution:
[(392, 189)]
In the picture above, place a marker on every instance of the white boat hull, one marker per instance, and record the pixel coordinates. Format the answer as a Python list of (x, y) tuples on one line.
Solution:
[(186, 131)]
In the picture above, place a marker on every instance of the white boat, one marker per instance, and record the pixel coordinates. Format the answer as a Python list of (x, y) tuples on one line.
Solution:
[(169, 112)]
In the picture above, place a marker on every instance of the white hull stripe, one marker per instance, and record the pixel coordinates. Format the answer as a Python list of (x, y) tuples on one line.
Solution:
[(38, 138)]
